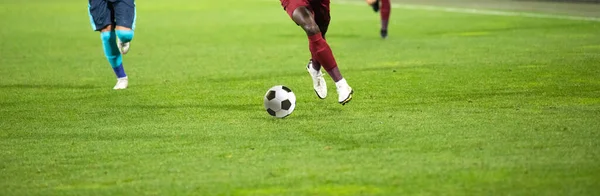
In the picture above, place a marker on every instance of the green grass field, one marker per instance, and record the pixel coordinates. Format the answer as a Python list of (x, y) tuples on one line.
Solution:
[(450, 104)]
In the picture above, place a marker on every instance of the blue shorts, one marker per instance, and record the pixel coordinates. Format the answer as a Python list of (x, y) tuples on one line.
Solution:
[(111, 12)]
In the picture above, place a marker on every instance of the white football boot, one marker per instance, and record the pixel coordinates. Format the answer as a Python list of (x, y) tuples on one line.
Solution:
[(344, 91), (121, 83), (123, 46), (318, 81)]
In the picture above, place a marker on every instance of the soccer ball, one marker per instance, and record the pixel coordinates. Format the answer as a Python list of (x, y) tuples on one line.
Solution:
[(280, 101)]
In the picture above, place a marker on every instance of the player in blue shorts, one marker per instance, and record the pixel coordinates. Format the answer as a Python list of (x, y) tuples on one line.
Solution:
[(115, 20)]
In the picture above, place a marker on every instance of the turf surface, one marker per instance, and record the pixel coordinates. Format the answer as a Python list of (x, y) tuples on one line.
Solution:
[(450, 104)]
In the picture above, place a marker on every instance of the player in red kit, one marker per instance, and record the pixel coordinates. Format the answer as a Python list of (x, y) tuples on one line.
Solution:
[(386, 9), (313, 16)]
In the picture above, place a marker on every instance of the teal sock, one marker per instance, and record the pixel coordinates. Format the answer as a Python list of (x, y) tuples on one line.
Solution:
[(113, 55), (125, 35)]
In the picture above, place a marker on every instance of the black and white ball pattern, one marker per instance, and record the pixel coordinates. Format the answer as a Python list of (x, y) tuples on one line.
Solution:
[(280, 101)]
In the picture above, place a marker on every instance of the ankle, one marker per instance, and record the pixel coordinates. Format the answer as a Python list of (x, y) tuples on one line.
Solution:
[(341, 83)]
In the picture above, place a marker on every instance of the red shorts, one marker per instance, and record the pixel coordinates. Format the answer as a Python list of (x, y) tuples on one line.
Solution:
[(320, 9)]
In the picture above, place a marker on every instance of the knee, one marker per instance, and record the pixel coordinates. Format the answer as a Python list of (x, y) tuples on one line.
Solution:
[(107, 36), (125, 35), (311, 29), (303, 17)]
